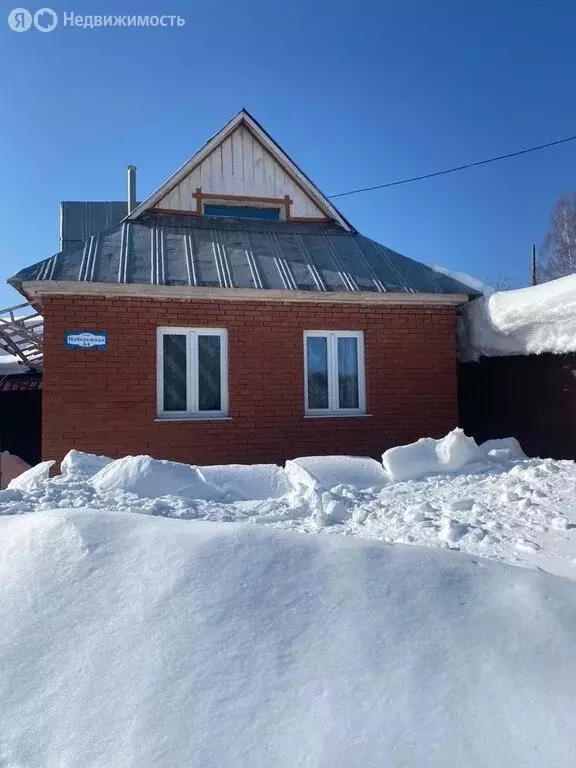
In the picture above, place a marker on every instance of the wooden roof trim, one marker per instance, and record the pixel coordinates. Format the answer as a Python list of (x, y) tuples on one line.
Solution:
[(36, 290)]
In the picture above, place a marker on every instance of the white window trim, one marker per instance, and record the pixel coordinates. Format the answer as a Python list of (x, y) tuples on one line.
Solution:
[(192, 395), (332, 349)]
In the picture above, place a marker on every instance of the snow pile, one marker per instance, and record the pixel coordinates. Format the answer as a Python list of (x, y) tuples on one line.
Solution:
[(82, 465), (503, 448), (137, 641), (150, 477), (490, 500), (10, 467), (527, 321), (429, 456), (30, 479), (247, 481), (325, 472)]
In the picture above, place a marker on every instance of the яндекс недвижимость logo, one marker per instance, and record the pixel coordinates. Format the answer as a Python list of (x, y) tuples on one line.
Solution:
[(46, 19), (21, 20)]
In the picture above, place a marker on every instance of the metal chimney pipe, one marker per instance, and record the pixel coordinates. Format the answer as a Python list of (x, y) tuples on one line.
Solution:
[(131, 188)]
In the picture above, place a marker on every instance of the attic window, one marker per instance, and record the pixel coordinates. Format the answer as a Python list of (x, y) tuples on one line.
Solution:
[(241, 212)]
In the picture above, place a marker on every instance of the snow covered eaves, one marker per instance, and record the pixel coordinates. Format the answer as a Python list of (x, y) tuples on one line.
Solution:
[(476, 286), (527, 321)]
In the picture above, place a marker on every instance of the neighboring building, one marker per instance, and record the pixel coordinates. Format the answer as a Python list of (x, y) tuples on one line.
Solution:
[(517, 354), (20, 388), (20, 411), (236, 316)]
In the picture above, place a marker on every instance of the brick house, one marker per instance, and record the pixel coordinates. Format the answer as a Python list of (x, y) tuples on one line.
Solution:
[(237, 316)]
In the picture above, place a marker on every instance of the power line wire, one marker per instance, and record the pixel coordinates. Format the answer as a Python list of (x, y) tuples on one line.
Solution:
[(457, 168)]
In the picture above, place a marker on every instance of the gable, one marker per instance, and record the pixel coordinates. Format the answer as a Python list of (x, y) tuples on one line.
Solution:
[(243, 166)]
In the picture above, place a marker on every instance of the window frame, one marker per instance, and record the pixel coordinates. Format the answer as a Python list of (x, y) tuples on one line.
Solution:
[(192, 411), (333, 408), (234, 208)]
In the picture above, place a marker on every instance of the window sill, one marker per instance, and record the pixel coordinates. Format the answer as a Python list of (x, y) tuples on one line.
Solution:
[(336, 415), (166, 419)]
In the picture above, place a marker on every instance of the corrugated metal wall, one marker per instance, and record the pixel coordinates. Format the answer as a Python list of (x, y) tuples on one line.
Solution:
[(79, 220), (531, 398)]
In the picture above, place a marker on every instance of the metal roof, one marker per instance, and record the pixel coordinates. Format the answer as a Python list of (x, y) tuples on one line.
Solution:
[(80, 220), (208, 251)]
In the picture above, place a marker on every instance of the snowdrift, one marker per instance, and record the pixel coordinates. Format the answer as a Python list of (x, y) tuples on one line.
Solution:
[(80, 465), (29, 479), (250, 482), (325, 472), (308, 476), (528, 321), (488, 500), (429, 456), (131, 640), (150, 478), (10, 467)]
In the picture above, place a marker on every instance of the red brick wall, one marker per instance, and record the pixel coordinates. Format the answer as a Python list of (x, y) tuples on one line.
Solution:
[(104, 401)]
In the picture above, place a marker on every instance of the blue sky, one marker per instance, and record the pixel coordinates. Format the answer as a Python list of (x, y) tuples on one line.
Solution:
[(357, 93)]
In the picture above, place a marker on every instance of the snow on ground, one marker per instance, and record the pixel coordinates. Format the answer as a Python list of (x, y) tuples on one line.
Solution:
[(526, 321), (132, 641), (10, 467), (489, 501), (428, 456)]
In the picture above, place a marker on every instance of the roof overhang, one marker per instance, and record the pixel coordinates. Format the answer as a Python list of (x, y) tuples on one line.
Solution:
[(36, 290), (252, 125)]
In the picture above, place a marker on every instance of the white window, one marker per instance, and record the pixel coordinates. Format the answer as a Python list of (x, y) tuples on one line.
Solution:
[(334, 372), (192, 372)]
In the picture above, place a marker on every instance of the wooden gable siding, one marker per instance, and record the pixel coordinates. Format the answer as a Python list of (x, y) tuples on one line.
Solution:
[(240, 166)]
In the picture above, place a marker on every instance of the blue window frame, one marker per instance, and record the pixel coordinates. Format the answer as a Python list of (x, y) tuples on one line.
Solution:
[(242, 212)]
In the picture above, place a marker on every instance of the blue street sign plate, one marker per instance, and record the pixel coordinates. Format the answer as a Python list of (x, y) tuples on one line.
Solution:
[(86, 339)]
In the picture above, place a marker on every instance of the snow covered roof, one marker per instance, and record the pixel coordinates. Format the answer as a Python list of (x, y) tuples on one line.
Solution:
[(10, 365), (527, 321), (180, 250), (476, 286), (16, 375)]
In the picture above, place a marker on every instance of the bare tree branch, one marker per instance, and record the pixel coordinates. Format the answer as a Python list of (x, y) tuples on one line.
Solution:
[(558, 251), (501, 282)]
